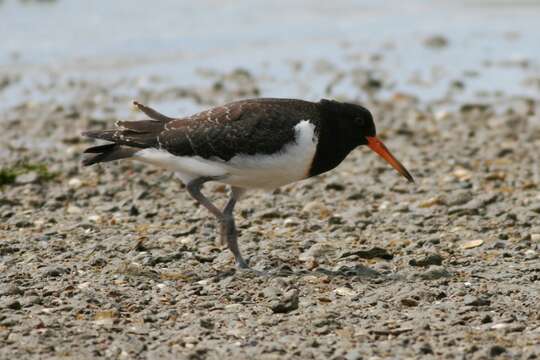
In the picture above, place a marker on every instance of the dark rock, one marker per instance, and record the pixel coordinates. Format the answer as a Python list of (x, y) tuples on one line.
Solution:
[(496, 350), (288, 303), (486, 319), (436, 42), (476, 301), (430, 259), (133, 211), (12, 305), (55, 271), (31, 300), (425, 349), (335, 187), (409, 302), (375, 252)]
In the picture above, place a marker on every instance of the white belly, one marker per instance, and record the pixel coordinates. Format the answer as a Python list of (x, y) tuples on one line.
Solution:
[(291, 164)]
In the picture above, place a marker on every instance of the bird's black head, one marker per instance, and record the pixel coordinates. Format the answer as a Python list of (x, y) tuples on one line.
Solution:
[(354, 120), (353, 125)]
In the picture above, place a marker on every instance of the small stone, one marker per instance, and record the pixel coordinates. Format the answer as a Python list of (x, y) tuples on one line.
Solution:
[(75, 183), (462, 174), (472, 244), (402, 208), (470, 300), (31, 300), (434, 201), (500, 326), (234, 307), (436, 42), (425, 349), (271, 292), (535, 208), (27, 178), (354, 355), (105, 317), (74, 210), (459, 198), (288, 303), (133, 211), (345, 291), (317, 207), (409, 302), (335, 186), (206, 323), (290, 222), (535, 237), (508, 327), (434, 273), (55, 271), (94, 218), (316, 251), (486, 319), (374, 252), (13, 305), (496, 350), (430, 259)]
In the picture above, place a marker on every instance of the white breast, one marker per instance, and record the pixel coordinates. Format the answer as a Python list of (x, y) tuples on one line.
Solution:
[(291, 164)]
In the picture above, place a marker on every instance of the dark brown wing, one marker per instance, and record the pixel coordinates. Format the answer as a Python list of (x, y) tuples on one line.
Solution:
[(244, 127)]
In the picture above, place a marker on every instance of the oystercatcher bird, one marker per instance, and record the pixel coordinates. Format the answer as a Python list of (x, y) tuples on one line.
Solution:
[(247, 144)]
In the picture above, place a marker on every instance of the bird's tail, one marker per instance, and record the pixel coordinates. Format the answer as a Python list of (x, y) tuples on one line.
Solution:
[(128, 138), (109, 152)]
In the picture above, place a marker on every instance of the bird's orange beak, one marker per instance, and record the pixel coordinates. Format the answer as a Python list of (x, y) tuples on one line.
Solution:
[(378, 146)]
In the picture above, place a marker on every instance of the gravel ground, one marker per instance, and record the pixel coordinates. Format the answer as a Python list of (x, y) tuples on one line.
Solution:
[(118, 262)]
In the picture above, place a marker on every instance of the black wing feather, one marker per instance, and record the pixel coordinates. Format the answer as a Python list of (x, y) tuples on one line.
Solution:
[(240, 129)]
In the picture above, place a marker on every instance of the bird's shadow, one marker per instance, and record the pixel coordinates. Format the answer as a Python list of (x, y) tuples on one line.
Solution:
[(356, 271)]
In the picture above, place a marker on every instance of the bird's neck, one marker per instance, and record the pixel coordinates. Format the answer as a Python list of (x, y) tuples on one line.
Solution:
[(334, 144)]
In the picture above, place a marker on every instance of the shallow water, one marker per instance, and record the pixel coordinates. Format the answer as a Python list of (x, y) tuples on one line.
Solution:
[(493, 46)]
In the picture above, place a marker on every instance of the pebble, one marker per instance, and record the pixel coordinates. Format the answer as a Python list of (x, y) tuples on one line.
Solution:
[(535, 208), (496, 350), (75, 183), (436, 42), (287, 303), (55, 271), (94, 218), (345, 291), (434, 273), (27, 178), (316, 251), (427, 260), (317, 207), (31, 300), (470, 300), (472, 244), (535, 237), (409, 302), (11, 304), (434, 201), (74, 210)]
